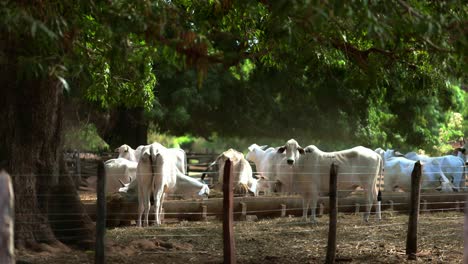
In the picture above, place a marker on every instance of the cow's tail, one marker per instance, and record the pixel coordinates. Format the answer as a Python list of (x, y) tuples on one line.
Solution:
[(381, 171), (379, 193), (153, 168)]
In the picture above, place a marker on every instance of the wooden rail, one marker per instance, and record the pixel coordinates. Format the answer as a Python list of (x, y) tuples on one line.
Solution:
[(272, 206)]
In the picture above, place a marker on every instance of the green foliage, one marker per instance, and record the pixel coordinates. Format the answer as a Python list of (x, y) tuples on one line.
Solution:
[(335, 73), (84, 138), (451, 131)]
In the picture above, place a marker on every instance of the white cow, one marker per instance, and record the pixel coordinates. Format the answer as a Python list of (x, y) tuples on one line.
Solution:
[(119, 171), (263, 185), (270, 164), (413, 156), (449, 166), (398, 171), (156, 172), (126, 152), (186, 187), (358, 166), (240, 169)]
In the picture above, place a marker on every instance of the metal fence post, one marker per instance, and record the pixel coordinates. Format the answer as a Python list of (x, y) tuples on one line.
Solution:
[(228, 215), (100, 256), (7, 248), (331, 247), (412, 237)]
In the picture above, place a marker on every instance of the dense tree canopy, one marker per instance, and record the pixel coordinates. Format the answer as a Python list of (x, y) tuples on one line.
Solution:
[(331, 71), (352, 73)]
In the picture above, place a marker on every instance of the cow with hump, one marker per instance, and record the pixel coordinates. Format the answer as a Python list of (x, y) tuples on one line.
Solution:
[(158, 173), (438, 173), (358, 166), (275, 175), (240, 170)]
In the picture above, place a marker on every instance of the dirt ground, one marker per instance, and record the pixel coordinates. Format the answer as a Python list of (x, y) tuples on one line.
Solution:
[(280, 240)]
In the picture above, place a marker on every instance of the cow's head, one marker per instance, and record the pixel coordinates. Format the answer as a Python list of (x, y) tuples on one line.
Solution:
[(205, 190), (292, 150), (122, 149), (446, 186), (462, 153), (252, 154)]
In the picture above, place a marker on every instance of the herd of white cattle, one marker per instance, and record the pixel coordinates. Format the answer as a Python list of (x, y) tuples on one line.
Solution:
[(160, 171)]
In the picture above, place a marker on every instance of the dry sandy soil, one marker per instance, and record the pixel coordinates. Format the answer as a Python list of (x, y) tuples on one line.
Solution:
[(281, 240)]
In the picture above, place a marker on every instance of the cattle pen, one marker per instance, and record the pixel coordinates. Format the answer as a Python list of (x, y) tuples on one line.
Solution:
[(269, 228)]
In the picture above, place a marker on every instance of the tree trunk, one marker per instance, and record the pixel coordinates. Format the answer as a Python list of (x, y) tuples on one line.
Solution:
[(124, 126), (30, 150)]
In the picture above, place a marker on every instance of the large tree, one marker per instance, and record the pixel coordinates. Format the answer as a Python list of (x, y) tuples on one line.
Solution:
[(36, 38)]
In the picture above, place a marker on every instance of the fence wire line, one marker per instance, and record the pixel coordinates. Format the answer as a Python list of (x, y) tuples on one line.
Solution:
[(273, 172), (239, 225), (279, 210)]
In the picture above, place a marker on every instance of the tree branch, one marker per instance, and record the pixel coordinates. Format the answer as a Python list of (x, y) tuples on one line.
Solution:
[(410, 9)]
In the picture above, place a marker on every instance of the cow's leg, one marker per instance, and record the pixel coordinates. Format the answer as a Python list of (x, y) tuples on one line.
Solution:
[(147, 206), (147, 210), (313, 208), (371, 193), (158, 196), (140, 207), (305, 207), (143, 208), (161, 207)]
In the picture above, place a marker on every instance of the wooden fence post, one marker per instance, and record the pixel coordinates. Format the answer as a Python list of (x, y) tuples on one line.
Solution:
[(283, 210), (412, 237), (243, 211), (204, 216), (100, 256), (7, 248), (357, 208), (424, 206), (228, 215), (331, 247)]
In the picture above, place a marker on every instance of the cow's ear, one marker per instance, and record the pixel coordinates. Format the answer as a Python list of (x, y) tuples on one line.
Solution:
[(126, 148), (281, 149), (301, 151), (251, 148)]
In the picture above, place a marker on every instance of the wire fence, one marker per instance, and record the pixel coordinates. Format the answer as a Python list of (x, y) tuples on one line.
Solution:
[(290, 205)]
